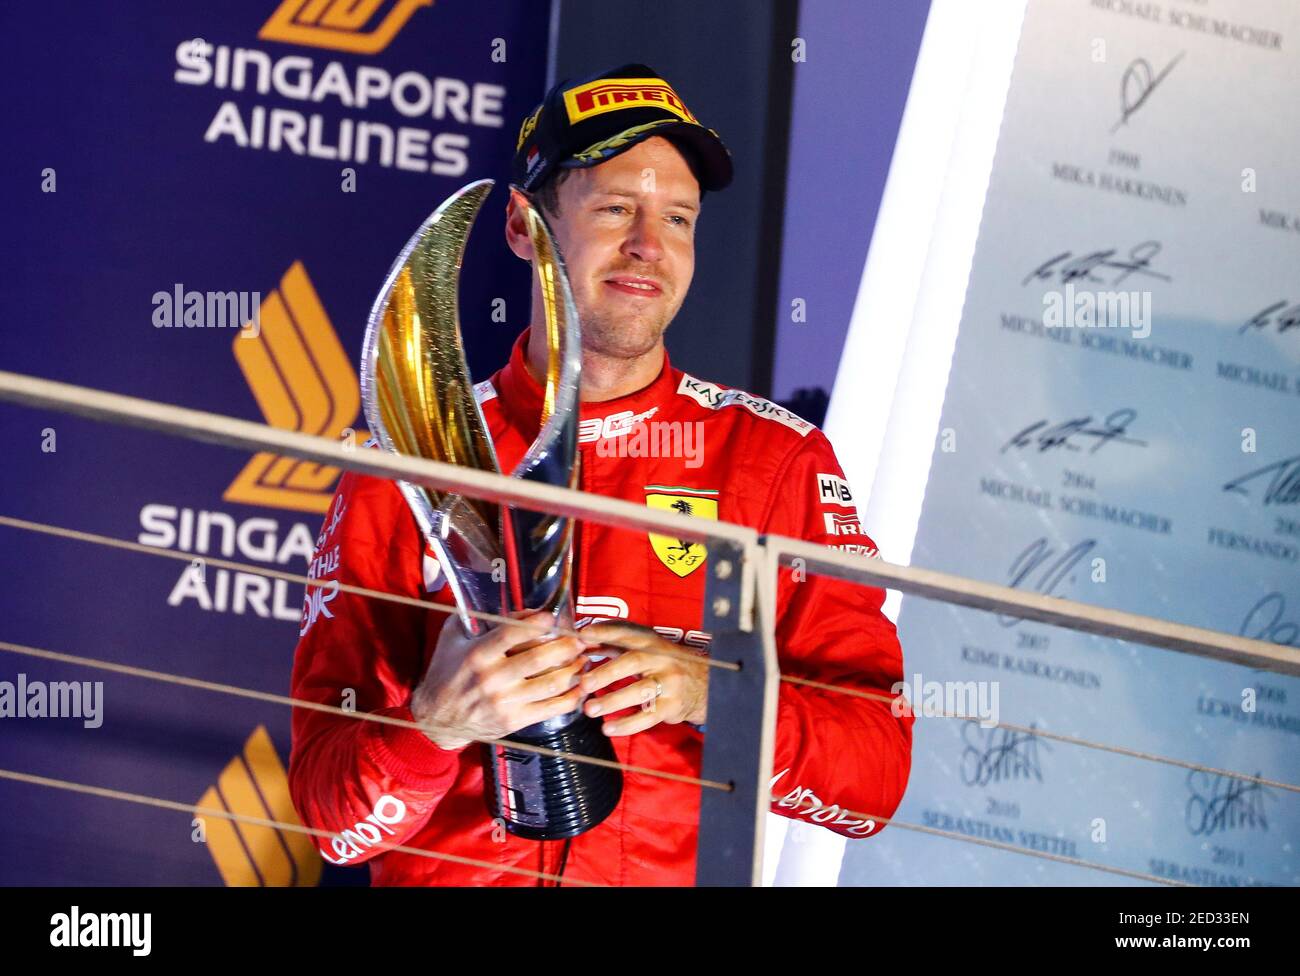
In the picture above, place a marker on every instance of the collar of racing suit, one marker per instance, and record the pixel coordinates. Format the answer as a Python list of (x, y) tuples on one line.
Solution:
[(521, 394)]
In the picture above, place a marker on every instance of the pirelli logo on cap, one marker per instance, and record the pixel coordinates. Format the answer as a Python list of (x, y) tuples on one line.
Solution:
[(612, 94)]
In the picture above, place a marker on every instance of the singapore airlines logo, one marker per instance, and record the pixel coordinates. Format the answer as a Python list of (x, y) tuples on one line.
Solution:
[(254, 785), (337, 24), (302, 380)]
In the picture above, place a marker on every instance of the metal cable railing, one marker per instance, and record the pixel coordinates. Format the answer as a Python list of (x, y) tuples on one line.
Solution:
[(246, 435), (758, 559), (253, 568)]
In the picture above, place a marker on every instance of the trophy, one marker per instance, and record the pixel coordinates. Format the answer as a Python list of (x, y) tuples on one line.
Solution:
[(497, 559)]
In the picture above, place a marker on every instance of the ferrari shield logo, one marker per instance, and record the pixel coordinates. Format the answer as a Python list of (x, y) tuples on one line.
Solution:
[(681, 556)]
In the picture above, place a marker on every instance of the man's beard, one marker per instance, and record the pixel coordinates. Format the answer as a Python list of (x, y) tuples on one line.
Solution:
[(623, 336)]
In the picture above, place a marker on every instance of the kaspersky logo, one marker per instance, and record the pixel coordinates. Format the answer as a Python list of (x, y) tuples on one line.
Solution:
[(302, 380), (254, 784), (339, 24)]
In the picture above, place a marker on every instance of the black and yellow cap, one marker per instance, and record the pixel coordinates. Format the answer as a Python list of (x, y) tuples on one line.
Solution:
[(585, 122)]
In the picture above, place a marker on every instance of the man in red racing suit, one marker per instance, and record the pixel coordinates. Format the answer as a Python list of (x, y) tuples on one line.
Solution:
[(734, 457), (763, 467)]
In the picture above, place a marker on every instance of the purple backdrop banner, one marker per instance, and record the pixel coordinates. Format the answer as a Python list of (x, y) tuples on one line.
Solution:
[(201, 203)]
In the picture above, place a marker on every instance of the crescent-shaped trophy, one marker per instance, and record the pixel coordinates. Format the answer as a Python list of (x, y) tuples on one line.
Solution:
[(419, 401)]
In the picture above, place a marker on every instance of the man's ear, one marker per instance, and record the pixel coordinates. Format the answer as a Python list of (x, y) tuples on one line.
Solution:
[(517, 238)]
